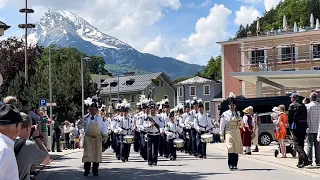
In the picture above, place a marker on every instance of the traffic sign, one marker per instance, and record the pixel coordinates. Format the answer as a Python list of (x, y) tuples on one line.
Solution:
[(43, 102), (51, 104)]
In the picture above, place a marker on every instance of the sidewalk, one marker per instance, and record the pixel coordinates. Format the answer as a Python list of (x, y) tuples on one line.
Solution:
[(53, 156), (266, 156)]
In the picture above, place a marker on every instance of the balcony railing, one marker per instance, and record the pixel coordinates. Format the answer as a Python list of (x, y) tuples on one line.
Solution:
[(276, 62)]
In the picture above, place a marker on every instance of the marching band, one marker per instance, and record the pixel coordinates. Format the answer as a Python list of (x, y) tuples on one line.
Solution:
[(155, 130)]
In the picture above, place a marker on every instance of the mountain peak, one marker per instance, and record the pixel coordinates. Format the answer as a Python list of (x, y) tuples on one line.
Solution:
[(59, 26)]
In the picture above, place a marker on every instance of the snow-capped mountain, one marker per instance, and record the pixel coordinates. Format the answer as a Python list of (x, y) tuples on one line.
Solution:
[(69, 30)]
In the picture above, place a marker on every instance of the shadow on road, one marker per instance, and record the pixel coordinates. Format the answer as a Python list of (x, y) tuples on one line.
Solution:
[(130, 174), (256, 169)]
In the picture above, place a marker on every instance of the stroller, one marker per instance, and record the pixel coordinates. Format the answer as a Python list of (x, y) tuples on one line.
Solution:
[(290, 149)]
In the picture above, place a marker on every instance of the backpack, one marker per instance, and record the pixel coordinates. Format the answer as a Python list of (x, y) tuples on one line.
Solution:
[(18, 146)]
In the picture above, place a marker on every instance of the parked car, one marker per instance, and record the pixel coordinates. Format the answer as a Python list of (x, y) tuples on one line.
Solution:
[(266, 129)]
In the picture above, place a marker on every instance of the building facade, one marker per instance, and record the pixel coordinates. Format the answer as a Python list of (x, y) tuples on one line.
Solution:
[(130, 87), (202, 88), (272, 65)]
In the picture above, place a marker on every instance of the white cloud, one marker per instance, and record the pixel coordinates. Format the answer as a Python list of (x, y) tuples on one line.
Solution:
[(246, 15), (252, 1), (182, 57), (269, 4), (125, 19), (3, 3), (208, 31), (205, 3), (155, 46)]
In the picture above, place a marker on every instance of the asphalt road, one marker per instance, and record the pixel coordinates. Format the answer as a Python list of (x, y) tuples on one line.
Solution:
[(186, 167)]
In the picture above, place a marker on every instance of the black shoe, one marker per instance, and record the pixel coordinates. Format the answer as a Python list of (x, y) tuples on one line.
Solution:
[(150, 163), (95, 174), (123, 159), (235, 167), (248, 153), (59, 151), (85, 174), (308, 163), (154, 163), (166, 156), (200, 156), (231, 168), (205, 157), (118, 157), (256, 149)]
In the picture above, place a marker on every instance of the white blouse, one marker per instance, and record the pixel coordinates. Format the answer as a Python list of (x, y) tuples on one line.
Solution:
[(8, 162)]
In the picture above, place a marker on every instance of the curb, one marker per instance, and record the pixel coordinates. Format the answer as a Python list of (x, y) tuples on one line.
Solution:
[(293, 169), (38, 171)]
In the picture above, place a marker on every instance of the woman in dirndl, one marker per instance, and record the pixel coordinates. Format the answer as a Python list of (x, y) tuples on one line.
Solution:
[(247, 131), (230, 124)]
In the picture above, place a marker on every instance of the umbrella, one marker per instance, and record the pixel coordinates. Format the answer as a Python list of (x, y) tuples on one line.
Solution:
[(295, 28), (317, 24), (311, 21), (284, 22)]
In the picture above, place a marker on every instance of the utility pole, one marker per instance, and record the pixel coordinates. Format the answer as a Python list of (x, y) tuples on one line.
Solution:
[(26, 26)]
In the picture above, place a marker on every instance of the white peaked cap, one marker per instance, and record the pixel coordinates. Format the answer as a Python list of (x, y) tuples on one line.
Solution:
[(88, 101)]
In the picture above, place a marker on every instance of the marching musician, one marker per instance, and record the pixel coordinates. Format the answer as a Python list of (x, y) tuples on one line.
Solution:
[(153, 126), (172, 131), (116, 129), (193, 113), (178, 118), (164, 119), (143, 116), (125, 128), (230, 124), (202, 124), (95, 133), (186, 125), (113, 125), (137, 123)]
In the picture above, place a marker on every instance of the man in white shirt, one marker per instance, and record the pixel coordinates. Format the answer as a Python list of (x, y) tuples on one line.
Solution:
[(95, 133), (10, 127)]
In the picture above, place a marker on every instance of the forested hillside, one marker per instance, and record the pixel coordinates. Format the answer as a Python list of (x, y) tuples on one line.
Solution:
[(295, 11)]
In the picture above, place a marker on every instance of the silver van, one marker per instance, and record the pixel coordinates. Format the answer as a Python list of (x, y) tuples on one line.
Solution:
[(266, 129)]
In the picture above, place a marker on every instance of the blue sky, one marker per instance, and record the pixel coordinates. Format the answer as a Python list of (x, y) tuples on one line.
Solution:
[(184, 29)]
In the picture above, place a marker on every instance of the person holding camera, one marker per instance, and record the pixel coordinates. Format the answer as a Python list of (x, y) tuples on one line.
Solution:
[(29, 148)]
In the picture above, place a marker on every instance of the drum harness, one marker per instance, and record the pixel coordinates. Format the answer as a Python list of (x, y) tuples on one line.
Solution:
[(205, 127), (128, 126)]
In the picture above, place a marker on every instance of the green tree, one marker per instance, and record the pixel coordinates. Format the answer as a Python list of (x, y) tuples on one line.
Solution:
[(66, 82), (213, 68), (12, 61), (97, 65)]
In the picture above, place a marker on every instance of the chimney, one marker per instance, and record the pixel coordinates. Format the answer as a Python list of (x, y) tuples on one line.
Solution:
[(129, 73)]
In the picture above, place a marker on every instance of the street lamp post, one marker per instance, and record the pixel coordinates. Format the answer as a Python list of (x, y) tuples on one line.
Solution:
[(3, 27), (82, 84), (26, 26)]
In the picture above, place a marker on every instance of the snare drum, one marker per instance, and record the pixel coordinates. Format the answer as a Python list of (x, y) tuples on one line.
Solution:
[(128, 139), (207, 138), (179, 143)]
